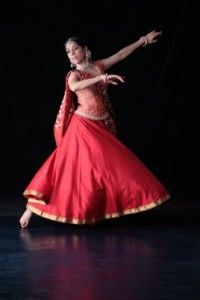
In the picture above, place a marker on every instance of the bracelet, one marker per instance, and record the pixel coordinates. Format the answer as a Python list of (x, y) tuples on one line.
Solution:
[(106, 75), (145, 41)]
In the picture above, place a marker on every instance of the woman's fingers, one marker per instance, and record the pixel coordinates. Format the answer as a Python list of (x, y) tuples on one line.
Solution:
[(112, 82), (152, 36), (155, 32), (115, 77)]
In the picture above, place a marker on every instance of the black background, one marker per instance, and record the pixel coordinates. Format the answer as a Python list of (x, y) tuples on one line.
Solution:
[(157, 108)]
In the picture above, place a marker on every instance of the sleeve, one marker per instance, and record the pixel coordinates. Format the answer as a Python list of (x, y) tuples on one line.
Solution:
[(74, 74)]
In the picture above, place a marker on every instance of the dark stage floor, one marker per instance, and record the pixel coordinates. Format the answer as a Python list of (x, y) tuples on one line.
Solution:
[(151, 255)]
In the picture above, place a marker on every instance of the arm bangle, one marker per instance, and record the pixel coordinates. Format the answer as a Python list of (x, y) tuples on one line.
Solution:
[(146, 41), (106, 75)]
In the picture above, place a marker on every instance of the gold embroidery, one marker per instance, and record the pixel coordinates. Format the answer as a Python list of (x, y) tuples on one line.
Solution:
[(36, 201), (91, 116), (93, 220), (33, 193)]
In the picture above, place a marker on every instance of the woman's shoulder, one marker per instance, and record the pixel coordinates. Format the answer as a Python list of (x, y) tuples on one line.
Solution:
[(99, 64), (74, 73)]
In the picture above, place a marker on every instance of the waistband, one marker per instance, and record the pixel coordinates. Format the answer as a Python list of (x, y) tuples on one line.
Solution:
[(91, 116)]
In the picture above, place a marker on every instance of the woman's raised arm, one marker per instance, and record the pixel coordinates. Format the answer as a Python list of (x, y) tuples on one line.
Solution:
[(149, 38)]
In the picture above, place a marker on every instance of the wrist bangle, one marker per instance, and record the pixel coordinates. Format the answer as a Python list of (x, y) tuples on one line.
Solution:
[(145, 41), (106, 75)]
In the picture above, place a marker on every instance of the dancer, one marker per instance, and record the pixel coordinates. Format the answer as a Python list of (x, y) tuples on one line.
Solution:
[(91, 175)]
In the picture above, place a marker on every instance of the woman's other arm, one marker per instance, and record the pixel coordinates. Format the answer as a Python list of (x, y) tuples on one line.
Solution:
[(76, 85), (150, 38)]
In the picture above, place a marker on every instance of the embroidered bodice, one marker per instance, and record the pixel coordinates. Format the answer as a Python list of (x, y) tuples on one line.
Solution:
[(93, 103), (91, 100)]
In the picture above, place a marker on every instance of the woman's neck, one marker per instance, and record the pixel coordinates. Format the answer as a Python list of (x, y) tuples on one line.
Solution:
[(84, 66)]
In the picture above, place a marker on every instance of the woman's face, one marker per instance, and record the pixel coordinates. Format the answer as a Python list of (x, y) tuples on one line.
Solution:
[(75, 53)]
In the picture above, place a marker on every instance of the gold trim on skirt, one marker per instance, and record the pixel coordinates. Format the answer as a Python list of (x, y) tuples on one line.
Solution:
[(93, 220), (33, 193), (36, 201)]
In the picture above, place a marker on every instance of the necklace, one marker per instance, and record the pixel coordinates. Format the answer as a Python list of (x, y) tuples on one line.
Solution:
[(88, 67), (92, 69)]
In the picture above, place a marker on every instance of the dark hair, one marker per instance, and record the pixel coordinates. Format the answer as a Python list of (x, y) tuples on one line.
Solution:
[(77, 40)]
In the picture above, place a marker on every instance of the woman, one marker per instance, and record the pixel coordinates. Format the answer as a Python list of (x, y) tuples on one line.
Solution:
[(91, 175)]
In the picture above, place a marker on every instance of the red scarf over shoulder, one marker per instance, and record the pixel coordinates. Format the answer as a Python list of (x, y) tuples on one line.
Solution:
[(65, 113)]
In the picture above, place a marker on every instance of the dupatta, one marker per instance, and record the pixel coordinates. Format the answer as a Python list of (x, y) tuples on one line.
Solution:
[(65, 113)]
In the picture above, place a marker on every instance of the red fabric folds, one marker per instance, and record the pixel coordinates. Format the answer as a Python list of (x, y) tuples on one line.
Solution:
[(91, 176)]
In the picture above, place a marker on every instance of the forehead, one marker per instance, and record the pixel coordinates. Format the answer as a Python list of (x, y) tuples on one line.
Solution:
[(71, 44)]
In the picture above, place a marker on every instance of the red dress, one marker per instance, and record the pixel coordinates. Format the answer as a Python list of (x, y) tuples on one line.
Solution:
[(91, 175)]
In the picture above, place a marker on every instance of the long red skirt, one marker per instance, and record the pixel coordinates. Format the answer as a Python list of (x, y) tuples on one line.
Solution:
[(92, 176)]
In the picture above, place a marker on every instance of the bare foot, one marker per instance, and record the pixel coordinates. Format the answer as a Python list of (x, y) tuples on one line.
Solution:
[(25, 218)]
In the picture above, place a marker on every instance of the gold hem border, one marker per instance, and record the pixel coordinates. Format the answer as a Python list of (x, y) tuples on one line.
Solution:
[(92, 221), (33, 193), (30, 200)]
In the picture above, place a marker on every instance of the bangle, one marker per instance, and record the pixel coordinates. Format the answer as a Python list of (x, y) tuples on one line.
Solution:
[(145, 39), (106, 75)]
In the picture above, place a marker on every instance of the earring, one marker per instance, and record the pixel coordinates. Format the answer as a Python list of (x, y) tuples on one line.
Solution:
[(88, 56), (72, 66)]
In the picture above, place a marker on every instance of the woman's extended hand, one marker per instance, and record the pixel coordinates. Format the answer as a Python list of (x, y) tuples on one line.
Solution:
[(152, 36), (112, 79)]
